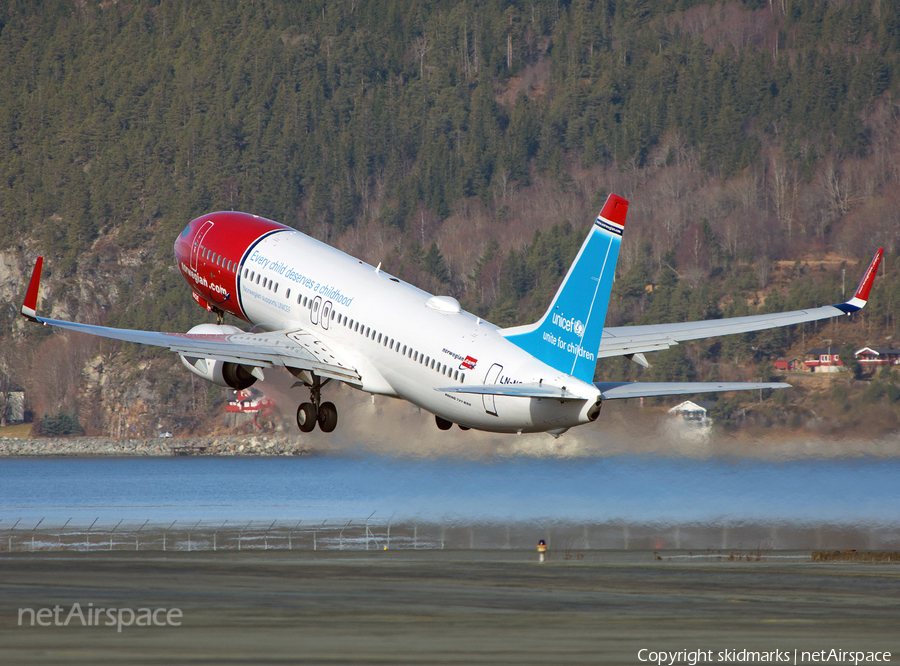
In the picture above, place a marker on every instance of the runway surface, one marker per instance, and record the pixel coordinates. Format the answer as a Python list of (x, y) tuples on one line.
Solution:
[(440, 607)]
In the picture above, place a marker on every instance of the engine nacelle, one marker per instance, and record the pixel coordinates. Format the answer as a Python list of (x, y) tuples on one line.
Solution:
[(221, 373), (594, 411)]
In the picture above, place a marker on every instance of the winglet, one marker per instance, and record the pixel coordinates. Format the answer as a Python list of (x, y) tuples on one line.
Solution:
[(865, 286), (29, 307)]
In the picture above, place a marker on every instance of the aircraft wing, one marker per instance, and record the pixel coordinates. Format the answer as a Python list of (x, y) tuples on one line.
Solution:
[(295, 348), (627, 340), (621, 390)]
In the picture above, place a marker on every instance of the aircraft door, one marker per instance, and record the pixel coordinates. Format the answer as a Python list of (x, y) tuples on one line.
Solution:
[(314, 313), (198, 241), (326, 313), (491, 378)]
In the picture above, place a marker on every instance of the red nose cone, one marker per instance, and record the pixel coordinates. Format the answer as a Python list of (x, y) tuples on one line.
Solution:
[(183, 243), (210, 255)]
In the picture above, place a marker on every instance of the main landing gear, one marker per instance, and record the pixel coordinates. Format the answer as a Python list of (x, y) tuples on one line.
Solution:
[(444, 424), (323, 413)]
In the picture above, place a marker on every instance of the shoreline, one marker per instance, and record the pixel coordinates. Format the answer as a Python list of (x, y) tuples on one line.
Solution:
[(227, 445), (778, 445)]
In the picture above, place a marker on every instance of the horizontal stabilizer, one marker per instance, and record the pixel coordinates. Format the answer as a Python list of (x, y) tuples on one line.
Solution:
[(515, 391), (620, 390)]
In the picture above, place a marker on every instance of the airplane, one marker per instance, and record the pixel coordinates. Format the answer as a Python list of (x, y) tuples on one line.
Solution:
[(325, 316)]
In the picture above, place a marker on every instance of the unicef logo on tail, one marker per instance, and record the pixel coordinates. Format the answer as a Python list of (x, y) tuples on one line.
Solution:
[(568, 324)]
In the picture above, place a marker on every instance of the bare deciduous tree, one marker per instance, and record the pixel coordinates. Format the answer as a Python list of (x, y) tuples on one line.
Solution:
[(783, 184), (421, 49), (57, 371), (763, 267), (837, 186)]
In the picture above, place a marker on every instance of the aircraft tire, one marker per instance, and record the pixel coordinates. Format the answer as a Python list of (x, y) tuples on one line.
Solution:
[(327, 417), (462, 427), (306, 417), (442, 424)]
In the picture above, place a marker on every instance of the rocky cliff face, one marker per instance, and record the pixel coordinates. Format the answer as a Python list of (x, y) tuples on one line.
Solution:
[(114, 388)]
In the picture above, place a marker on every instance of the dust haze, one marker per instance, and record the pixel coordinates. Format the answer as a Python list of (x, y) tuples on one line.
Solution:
[(389, 426)]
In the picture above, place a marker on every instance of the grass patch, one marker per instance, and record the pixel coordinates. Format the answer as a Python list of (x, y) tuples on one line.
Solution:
[(18, 431)]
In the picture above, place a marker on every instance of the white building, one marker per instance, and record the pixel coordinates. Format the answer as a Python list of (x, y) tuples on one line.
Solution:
[(694, 413)]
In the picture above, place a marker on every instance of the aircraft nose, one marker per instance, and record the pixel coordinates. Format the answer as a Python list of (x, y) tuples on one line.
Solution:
[(183, 243)]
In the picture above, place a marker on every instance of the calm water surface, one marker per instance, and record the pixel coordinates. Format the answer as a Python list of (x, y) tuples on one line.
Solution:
[(628, 488)]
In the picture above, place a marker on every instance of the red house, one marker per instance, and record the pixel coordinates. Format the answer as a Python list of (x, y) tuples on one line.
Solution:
[(824, 359), (788, 364), (871, 357)]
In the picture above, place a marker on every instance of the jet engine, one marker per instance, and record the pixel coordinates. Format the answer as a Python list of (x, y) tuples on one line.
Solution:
[(222, 373), (594, 411)]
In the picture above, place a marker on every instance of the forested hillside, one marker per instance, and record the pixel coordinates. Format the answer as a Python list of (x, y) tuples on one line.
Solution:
[(466, 145)]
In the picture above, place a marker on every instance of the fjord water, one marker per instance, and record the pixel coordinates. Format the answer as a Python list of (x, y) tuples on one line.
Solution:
[(850, 491)]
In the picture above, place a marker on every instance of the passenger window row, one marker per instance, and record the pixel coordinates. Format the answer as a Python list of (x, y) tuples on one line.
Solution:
[(218, 259), (400, 348), (265, 283), (368, 332)]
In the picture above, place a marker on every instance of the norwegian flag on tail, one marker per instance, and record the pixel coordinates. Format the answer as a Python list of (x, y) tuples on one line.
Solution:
[(468, 363)]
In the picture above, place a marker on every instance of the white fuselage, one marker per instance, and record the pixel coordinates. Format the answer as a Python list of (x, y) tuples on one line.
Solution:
[(403, 342)]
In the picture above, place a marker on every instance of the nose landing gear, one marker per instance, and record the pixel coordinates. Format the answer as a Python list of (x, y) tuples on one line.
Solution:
[(323, 413)]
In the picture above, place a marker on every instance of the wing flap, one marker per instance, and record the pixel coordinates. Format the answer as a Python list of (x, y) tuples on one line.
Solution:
[(280, 348), (294, 349), (622, 390)]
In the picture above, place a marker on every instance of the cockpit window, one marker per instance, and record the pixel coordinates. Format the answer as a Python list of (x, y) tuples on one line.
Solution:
[(186, 231)]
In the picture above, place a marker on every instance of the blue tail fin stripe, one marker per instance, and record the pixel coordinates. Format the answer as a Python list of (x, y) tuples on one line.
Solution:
[(587, 321)]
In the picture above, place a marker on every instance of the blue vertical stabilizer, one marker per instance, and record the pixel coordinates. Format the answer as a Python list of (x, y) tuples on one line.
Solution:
[(568, 336)]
